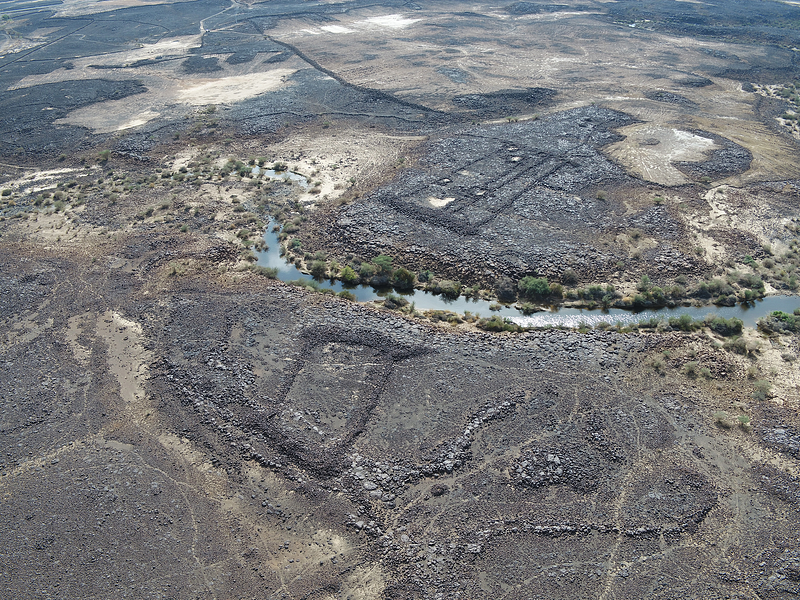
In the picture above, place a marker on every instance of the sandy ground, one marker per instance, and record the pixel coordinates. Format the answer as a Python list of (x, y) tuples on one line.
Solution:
[(649, 151), (167, 48), (335, 158), (118, 115), (439, 202), (32, 181), (169, 90), (567, 56), (179, 95)]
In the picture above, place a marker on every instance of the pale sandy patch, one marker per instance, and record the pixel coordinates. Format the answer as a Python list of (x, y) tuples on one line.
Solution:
[(177, 46), (395, 21), (649, 151), (336, 29), (127, 360), (15, 45), (364, 583), (33, 39), (108, 117), (336, 156), (167, 48), (439, 202), (136, 110), (233, 89), (137, 120), (32, 183)]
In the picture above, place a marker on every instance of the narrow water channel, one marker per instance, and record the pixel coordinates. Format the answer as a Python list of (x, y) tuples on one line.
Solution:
[(569, 317)]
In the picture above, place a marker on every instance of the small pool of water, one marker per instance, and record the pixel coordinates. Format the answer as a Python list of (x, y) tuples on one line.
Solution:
[(568, 317), (282, 176)]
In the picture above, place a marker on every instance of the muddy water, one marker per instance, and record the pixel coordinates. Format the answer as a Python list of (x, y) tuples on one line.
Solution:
[(568, 317)]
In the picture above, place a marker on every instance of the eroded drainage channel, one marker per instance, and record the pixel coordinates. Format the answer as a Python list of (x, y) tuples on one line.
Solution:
[(557, 316)]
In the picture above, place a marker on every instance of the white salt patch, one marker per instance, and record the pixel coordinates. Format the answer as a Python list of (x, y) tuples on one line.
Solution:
[(395, 21), (336, 29)]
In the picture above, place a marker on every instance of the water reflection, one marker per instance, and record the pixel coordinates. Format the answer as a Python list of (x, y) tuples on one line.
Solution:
[(556, 317), (283, 176)]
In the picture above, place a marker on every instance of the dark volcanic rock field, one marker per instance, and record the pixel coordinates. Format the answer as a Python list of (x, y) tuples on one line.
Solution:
[(445, 462)]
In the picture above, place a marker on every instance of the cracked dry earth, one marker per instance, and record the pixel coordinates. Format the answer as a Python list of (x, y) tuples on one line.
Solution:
[(257, 441)]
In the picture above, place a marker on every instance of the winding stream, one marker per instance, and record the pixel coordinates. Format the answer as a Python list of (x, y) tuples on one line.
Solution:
[(569, 317)]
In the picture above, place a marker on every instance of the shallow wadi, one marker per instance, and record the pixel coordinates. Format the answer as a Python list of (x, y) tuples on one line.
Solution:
[(357, 300)]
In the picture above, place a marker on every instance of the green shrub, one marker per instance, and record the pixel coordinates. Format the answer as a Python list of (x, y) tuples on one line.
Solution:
[(526, 308), (780, 322), (309, 283), (640, 301), (569, 277), (752, 282), (319, 268), (6, 192), (367, 270), (403, 279), (724, 327), (394, 301), (593, 292), (684, 323), (383, 264), (751, 295), (713, 288), (498, 323), (676, 291), (425, 276), (744, 422), (347, 295), (723, 419), (449, 288), (690, 368), (443, 315), (737, 345), (761, 389), (349, 276), (534, 287), (268, 272), (657, 295), (651, 323)]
